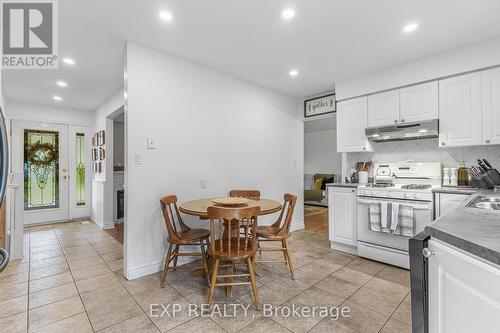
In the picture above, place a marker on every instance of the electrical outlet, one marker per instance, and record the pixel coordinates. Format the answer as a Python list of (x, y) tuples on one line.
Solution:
[(137, 159)]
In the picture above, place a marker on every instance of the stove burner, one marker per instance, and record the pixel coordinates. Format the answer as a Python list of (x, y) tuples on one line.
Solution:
[(381, 185), (416, 187)]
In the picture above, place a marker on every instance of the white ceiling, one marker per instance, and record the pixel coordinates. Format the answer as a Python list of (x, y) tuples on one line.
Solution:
[(327, 41)]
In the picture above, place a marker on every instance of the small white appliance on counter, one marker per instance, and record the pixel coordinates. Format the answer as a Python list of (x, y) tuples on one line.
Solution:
[(398, 206)]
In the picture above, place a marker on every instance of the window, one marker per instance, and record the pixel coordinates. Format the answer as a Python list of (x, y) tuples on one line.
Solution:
[(80, 169), (41, 170)]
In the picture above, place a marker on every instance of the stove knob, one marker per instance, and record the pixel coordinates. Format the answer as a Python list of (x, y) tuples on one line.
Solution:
[(408, 195), (416, 196), (389, 194), (361, 192)]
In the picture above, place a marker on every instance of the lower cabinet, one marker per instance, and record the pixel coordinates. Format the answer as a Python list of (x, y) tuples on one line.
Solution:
[(464, 295), (444, 202), (342, 215)]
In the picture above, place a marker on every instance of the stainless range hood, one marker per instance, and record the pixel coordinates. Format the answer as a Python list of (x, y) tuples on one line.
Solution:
[(404, 132)]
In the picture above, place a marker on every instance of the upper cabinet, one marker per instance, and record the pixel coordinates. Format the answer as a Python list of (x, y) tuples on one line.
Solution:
[(491, 106), (419, 102), (351, 124), (383, 109), (411, 104), (460, 112)]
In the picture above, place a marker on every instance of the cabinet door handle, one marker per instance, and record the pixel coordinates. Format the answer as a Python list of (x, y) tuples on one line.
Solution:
[(427, 253), (364, 148), (395, 121), (402, 120), (487, 141), (443, 144)]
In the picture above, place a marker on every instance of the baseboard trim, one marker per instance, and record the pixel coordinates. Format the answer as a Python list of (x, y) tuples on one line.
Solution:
[(108, 225), (297, 226), (344, 248), (143, 270)]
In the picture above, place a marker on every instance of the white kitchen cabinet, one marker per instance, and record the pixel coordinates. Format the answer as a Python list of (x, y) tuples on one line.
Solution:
[(383, 109), (351, 125), (463, 292), (342, 215), (491, 106), (445, 202), (460, 111), (419, 102)]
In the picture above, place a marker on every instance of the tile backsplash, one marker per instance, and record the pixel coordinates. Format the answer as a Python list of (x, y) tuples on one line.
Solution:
[(426, 151)]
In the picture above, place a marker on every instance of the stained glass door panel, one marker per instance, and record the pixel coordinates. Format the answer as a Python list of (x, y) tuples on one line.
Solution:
[(41, 170), (80, 169)]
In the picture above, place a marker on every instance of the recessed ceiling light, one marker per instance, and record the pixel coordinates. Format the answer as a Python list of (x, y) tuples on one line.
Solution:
[(61, 84), (410, 27), (375, 135), (58, 98), (68, 61), (293, 73), (166, 16), (288, 13), (423, 131)]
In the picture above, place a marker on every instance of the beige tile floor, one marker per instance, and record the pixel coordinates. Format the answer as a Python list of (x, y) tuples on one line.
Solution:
[(71, 281)]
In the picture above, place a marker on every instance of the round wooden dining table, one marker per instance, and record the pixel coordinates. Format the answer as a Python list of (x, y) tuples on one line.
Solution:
[(199, 207)]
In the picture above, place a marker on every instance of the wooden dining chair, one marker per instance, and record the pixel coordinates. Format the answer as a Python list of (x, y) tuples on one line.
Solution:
[(279, 231), (228, 245), (180, 234), (249, 194)]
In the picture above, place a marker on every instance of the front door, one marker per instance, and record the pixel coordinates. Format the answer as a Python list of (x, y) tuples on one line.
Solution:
[(40, 167)]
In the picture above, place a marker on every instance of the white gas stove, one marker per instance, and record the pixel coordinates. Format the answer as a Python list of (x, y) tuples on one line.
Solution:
[(406, 185), (403, 181)]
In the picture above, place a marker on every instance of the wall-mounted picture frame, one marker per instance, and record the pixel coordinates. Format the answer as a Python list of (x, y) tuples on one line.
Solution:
[(320, 105), (101, 138), (101, 154), (97, 167)]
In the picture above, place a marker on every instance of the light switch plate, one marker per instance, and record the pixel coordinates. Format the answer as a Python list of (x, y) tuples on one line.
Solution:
[(151, 143)]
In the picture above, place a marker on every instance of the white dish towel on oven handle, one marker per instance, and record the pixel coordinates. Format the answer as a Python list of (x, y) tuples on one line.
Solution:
[(406, 225), (394, 216), (374, 215)]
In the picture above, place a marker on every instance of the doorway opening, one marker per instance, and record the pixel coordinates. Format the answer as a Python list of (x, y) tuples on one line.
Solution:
[(322, 165), (116, 121)]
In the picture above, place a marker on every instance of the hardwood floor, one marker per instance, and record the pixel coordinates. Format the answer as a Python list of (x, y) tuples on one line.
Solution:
[(116, 232), (316, 219)]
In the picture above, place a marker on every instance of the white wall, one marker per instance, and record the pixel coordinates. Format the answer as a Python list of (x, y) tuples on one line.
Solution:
[(207, 126), (102, 184), (118, 143), (320, 152), (39, 112), (456, 61)]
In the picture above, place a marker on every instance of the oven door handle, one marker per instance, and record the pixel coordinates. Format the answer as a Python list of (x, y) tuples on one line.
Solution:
[(412, 204)]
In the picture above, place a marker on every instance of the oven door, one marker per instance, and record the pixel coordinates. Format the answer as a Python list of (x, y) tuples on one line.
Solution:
[(423, 217)]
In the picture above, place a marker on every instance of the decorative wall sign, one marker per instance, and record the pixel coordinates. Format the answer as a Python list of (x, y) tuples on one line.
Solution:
[(319, 105)]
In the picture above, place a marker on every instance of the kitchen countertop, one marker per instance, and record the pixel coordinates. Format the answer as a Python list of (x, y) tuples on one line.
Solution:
[(473, 230), (351, 185), (455, 190)]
